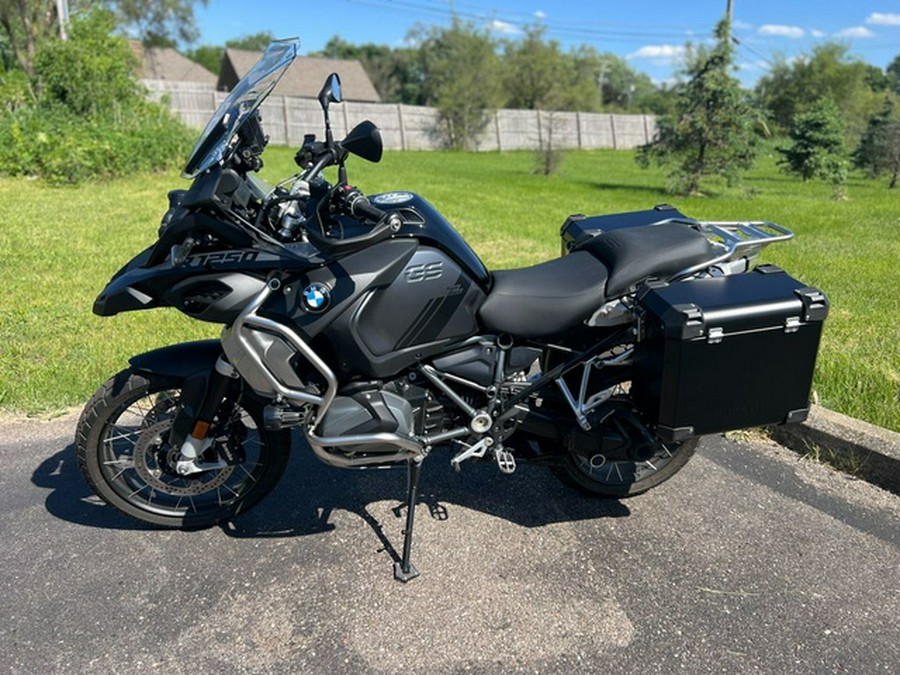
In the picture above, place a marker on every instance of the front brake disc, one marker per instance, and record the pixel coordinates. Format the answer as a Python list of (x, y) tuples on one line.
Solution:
[(154, 461)]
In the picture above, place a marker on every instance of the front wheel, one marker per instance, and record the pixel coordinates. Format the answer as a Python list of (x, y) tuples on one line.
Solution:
[(122, 448)]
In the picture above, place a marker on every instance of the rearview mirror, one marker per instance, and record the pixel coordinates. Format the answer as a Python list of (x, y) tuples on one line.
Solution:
[(364, 140), (331, 91)]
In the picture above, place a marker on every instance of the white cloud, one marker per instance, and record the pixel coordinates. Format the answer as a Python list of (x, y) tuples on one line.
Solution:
[(504, 27), (658, 52), (855, 32), (816, 33), (743, 25), (753, 65), (880, 19), (781, 31), (539, 15)]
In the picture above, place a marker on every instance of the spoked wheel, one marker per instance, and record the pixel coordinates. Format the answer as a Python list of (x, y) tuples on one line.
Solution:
[(123, 450), (619, 457)]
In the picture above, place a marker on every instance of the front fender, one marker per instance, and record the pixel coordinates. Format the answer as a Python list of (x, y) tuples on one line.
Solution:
[(179, 361), (191, 363)]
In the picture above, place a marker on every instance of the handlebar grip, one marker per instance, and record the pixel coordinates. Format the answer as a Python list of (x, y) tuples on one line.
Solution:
[(361, 207)]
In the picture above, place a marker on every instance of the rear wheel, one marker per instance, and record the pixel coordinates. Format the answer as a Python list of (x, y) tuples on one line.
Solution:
[(123, 451), (606, 476), (619, 457)]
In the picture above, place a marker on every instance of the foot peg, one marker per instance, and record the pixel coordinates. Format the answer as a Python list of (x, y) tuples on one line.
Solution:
[(506, 461)]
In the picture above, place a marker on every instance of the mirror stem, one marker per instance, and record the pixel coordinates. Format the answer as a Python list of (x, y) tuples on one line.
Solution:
[(329, 136)]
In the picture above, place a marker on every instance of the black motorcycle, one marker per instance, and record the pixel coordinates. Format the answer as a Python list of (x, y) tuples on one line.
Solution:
[(369, 324)]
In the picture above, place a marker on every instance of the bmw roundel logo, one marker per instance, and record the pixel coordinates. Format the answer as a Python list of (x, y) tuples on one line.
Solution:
[(316, 297)]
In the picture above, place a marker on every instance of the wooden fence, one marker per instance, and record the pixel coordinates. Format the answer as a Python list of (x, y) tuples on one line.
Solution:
[(409, 127)]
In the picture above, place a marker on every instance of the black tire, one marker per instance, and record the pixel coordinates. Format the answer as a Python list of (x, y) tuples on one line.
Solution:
[(624, 478), (121, 449), (620, 474)]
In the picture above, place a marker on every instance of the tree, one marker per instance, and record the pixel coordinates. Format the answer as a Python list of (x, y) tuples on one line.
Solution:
[(713, 131), (893, 75), (611, 84), (208, 56), (254, 42), (879, 149), (92, 72), (537, 74), (157, 23), (396, 74), (829, 72), (462, 79), (817, 146), (24, 24)]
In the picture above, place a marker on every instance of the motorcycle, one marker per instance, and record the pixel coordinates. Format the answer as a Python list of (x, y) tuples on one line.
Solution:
[(368, 324)]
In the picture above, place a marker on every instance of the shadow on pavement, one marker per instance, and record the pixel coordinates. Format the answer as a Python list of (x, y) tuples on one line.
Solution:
[(71, 499), (308, 493)]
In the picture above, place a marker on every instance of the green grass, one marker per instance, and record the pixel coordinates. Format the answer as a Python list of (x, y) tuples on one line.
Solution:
[(58, 247)]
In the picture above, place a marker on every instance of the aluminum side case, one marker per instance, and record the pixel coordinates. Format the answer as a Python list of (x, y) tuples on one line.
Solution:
[(725, 353)]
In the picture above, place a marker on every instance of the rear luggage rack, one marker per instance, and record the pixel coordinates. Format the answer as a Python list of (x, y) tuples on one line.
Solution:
[(739, 240)]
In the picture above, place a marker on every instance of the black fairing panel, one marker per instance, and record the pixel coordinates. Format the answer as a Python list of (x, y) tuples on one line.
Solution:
[(137, 286), (422, 221)]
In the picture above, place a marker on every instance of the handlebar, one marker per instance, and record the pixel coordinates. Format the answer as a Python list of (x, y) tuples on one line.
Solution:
[(355, 203)]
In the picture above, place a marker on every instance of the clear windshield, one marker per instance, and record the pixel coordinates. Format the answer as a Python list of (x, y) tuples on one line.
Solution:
[(244, 99)]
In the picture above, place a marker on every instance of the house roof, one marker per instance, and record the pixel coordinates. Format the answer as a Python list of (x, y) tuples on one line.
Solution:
[(305, 76), (164, 63)]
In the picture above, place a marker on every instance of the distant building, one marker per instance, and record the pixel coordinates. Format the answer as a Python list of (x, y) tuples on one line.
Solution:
[(305, 76), (164, 64)]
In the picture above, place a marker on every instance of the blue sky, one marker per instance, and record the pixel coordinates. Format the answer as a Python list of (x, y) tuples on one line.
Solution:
[(650, 34)]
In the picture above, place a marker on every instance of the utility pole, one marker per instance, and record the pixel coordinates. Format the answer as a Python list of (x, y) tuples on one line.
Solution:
[(729, 14), (62, 12), (601, 79)]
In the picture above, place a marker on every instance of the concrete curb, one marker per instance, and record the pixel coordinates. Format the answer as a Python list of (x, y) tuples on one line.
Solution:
[(851, 445)]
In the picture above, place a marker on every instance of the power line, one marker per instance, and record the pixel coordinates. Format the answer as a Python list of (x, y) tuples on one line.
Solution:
[(750, 49), (526, 16), (555, 28)]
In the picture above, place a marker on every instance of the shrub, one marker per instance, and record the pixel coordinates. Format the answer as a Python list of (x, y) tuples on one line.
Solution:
[(54, 144), (90, 118)]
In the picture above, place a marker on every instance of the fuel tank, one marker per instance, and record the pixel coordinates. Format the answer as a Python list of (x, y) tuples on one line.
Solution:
[(423, 222), (373, 313)]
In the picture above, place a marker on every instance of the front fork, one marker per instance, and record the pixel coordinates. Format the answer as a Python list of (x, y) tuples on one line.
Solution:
[(203, 394)]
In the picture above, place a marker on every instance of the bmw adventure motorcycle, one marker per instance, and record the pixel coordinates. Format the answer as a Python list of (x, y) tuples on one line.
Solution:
[(371, 327)]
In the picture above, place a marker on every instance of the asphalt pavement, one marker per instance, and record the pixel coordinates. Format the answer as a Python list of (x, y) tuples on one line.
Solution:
[(748, 560)]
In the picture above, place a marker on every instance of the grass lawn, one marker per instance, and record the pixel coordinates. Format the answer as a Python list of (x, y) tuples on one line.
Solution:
[(59, 246)]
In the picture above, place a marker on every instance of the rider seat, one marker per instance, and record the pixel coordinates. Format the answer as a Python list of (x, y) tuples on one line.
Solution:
[(545, 299)]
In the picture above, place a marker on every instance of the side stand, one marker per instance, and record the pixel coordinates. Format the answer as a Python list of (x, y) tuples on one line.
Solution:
[(404, 570)]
